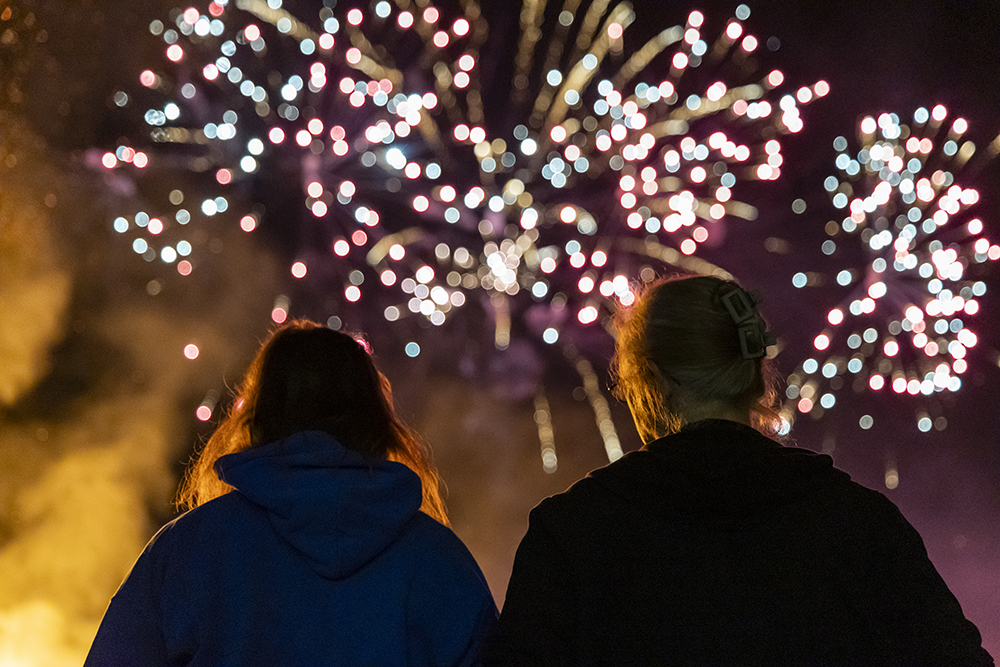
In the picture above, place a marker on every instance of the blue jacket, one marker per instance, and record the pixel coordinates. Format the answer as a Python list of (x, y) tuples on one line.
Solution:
[(320, 557)]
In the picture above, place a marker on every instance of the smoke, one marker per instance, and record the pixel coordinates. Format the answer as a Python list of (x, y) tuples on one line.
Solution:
[(34, 284), (96, 396), (76, 530)]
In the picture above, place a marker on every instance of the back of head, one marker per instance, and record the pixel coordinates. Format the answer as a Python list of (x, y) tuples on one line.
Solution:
[(314, 378), (679, 347), (307, 377)]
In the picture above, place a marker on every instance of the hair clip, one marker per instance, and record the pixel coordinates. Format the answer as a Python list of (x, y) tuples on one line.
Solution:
[(740, 304), (753, 341), (742, 307)]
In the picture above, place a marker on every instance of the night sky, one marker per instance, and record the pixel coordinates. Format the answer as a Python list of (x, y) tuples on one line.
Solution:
[(97, 402)]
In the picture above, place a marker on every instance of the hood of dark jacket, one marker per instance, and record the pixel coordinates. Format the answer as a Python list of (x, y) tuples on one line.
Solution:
[(718, 473), (340, 509)]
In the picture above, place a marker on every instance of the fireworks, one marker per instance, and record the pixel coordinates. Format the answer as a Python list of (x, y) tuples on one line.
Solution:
[(380, 117), (914, 245), (360, 140)]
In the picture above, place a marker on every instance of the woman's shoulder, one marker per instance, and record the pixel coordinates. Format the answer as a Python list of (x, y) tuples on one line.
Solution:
[(586, 497), (425, 533), (436, 551), (230, 512), (597, 486)]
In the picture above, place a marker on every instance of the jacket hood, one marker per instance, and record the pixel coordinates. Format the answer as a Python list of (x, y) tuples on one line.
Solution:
[(718, 473), (337, 507)]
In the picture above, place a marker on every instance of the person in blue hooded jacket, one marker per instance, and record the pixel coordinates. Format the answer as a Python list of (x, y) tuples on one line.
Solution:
[(316, 534)]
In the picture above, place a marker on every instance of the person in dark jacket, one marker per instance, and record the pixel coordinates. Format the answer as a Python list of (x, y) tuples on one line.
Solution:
[(715, 544), (317, 535)]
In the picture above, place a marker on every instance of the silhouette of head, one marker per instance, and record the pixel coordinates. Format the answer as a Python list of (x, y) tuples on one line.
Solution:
[(680, 351), (307, 377), (310, 377)]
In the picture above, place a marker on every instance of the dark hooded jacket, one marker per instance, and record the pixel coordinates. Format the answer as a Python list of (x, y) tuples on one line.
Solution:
[(319, 557), (719, 546)]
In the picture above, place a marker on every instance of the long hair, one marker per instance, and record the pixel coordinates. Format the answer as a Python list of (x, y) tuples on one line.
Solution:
[(679, 329), (309, 377)]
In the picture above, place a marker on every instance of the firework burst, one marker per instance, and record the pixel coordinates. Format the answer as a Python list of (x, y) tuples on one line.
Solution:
[(915, 248), (359, 140), (380, 116)]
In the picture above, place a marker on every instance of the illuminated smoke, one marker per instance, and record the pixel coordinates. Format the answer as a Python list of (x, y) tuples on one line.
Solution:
[(35, 283), (100, 393)]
